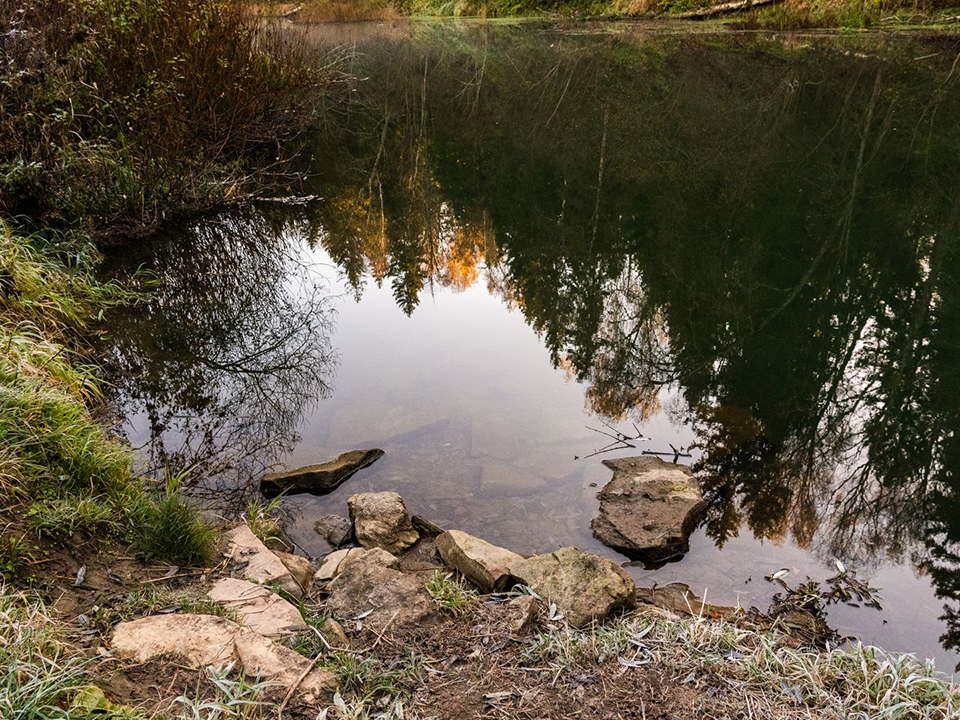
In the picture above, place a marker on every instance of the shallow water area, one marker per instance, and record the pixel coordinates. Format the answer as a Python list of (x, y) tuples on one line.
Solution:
[(517, 237)]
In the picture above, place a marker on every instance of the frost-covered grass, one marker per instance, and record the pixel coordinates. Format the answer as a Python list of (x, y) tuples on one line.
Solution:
[(761, 669)]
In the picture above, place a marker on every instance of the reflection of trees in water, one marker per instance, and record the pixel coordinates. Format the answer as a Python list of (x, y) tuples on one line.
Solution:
[(229, 351), (769, 231)]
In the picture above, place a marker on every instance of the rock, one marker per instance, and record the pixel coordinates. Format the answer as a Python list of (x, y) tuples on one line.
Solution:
[(334, 529), (584, 586), (649, 508), (365, 584), (299, 567), (330, 565), (203, 640), (319, 479), (504, 480), (381, 520), (677, 597), (374, 556), (485, 564), (334, 634), (264, 612), (425, 527), (259, 564), (521, 613)]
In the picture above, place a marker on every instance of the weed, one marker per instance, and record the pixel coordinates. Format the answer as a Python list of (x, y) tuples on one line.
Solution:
[(367, 677), (262, 521), (37, 677), (449, 593), (170, 527)]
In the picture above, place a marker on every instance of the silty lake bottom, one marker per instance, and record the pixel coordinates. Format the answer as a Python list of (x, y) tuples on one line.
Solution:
[(743, 247)]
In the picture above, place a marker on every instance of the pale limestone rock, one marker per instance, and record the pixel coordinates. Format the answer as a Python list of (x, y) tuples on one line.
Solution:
[(485, 564), (262, 611), (261, 564), (649, 508), (381, 520), (330, 565), (299, 567), (365, 583), (203, 640)]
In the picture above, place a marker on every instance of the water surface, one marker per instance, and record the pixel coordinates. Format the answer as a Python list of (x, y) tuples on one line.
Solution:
[(742, 249)]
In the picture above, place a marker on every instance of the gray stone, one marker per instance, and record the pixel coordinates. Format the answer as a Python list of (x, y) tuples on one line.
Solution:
[(649, 508), (319, 479), (487, 565), (381, 520), (365, 585), (331, 564), (334, 529), (521, 613), (584, 586)]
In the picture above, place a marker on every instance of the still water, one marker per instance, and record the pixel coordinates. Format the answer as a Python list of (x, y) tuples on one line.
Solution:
[(513, 236)]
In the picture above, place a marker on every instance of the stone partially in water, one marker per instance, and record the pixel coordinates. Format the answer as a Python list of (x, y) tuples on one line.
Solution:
[(584, 586), (319, 479), (381, 520), (485, 564), (334, 529), (649, 508)]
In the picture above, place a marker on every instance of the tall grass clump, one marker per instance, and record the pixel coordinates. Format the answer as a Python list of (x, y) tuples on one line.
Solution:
[(115, 114), (169, 527), (61, 473)]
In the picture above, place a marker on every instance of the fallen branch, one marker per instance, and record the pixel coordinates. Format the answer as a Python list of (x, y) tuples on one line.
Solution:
[(723, 9)]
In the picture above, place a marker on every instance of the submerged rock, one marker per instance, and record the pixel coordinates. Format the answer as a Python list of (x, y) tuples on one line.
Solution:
[(257, 563), (584, 586), (485, 564), (319, 479), (649, 508), (334, 529), (366, 586), (677, 597), (203, 640), (381, 520), (264, 612)]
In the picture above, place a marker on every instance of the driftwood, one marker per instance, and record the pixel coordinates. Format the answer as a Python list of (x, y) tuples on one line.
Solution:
[(723, 9)]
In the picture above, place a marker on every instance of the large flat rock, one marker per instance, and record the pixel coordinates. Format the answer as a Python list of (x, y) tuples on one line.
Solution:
[(319, 479), (584, 586), (649, 508), (264, 612), (203, 640), (381, 520), (258, 563), (487, 565)]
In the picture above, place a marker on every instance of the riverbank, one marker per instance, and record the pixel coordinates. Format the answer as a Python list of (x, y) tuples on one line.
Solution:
[(746, 15), (404, 636)]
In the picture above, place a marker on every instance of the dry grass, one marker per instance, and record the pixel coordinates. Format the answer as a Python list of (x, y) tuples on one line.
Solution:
[(315, 11)]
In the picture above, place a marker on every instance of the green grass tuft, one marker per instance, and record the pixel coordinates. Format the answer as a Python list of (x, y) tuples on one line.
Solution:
[(453, 597), (170, 527)]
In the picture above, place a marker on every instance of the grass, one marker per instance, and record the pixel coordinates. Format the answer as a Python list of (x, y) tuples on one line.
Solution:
[(262, 520), (38, 675), (761, 668), (371, 682), (61, 473), (117, 114), (170, 527), (453, 597)]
